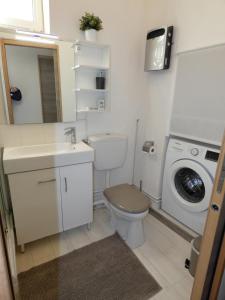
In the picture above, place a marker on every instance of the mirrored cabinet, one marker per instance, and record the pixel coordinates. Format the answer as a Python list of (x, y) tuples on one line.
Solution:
[(53, 81), (38, 81)]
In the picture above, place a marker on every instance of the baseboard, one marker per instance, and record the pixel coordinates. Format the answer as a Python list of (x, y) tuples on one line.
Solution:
[(173, 224)]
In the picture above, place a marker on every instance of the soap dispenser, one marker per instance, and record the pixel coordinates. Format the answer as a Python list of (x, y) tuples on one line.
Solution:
[(100, 81)]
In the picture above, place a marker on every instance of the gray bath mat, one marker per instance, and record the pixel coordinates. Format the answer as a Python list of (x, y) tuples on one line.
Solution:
[(104, 270)]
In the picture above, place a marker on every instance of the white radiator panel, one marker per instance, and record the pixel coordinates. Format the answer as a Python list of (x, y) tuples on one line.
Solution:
[(199, 96)]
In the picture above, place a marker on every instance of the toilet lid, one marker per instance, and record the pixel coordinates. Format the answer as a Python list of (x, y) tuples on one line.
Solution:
[(127, 198)]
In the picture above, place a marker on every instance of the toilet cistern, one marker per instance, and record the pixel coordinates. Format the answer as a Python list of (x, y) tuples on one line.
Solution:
[(110, 152), (72, 132)]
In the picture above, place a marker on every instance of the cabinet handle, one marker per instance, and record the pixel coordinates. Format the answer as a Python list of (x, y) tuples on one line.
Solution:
[(46, 181), (66, 188)]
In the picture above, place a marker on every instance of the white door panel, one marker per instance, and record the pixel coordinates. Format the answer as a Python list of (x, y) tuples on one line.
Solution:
[(67, 81), (36, 202), (77, 195)]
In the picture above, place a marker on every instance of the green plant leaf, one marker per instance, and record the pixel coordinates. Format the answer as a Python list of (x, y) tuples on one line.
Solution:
[(90, 21)]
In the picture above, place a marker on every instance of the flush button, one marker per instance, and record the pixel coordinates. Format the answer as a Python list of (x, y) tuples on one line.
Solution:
[(194, 151)]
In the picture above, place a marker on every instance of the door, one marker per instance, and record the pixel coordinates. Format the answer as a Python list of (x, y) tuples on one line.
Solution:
[(36, 202), (77, 195), (48, 89), (209, 272), (191, 185), (6, 220), (6, 291), (218, 286), (67, 80)]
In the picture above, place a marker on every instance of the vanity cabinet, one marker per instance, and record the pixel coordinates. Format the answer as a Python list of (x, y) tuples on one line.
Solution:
[(49, 201)]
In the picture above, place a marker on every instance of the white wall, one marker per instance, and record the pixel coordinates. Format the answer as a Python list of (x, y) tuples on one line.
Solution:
[(197, 24), (123, 31)]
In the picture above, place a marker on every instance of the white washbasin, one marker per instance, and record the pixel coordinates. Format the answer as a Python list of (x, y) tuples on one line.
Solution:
[(36, 157), (39, 150)]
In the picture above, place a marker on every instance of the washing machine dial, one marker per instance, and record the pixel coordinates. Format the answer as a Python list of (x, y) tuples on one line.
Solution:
[(195, 151)]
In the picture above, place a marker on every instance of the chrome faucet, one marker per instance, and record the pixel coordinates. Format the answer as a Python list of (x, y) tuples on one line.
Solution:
[(72, 132)]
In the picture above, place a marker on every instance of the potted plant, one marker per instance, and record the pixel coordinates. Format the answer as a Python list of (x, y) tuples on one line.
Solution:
[(90, 24)]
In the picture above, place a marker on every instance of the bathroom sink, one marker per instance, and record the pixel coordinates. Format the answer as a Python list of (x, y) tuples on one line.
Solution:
[(36, 157), (39, 150)]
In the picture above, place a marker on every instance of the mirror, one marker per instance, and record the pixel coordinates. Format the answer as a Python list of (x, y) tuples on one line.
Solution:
[(38, 81), (33, 81)]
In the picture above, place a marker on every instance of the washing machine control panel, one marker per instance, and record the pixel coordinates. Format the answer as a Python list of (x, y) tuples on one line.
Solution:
[(195, 151)]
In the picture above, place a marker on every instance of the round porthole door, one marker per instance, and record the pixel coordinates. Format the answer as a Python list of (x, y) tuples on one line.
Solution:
[(191, 185)]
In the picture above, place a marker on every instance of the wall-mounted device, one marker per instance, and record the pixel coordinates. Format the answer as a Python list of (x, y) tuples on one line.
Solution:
[(158, 49)]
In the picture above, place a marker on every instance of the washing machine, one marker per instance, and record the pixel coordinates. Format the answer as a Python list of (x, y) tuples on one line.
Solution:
[(188, 181)]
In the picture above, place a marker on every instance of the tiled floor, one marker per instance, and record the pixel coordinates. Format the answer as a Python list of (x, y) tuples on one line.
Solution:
[(163, 253)]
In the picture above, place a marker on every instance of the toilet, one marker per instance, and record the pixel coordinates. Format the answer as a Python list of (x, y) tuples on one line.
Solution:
[(128, 207)]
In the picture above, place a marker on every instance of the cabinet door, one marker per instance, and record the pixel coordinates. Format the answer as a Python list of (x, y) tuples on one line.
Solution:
[(67, 80), (36, 202), (77, 195)]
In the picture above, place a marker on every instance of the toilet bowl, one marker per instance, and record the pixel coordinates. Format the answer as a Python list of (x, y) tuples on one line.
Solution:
[(129, 226), (126, 204), (128, 208)]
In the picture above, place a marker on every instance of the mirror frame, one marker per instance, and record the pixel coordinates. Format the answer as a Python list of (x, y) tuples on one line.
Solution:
[(12, 42)]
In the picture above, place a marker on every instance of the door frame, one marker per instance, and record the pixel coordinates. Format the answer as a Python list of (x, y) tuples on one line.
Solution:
[(6, 284), (220, 267), (209, 271)]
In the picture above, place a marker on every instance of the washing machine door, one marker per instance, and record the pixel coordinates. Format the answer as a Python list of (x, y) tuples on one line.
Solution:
[(191, 185)]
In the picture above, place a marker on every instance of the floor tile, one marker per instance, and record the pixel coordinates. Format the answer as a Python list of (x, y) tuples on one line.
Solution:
[(163, 253)]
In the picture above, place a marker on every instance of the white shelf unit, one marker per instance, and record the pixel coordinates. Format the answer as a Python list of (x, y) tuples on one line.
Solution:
[(87, 67), (91, 61), (90, 90)]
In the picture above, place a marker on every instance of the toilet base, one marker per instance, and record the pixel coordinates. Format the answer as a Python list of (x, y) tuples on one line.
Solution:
[(129, 226)]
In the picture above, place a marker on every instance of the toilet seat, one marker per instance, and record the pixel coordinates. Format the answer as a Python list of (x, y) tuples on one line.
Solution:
[(127, 198)]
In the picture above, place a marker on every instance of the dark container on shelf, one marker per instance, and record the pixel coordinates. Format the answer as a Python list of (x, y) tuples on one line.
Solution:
[(100, 83)]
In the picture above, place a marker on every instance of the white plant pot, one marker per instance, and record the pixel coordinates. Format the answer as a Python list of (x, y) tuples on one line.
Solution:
[(90, 35)]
